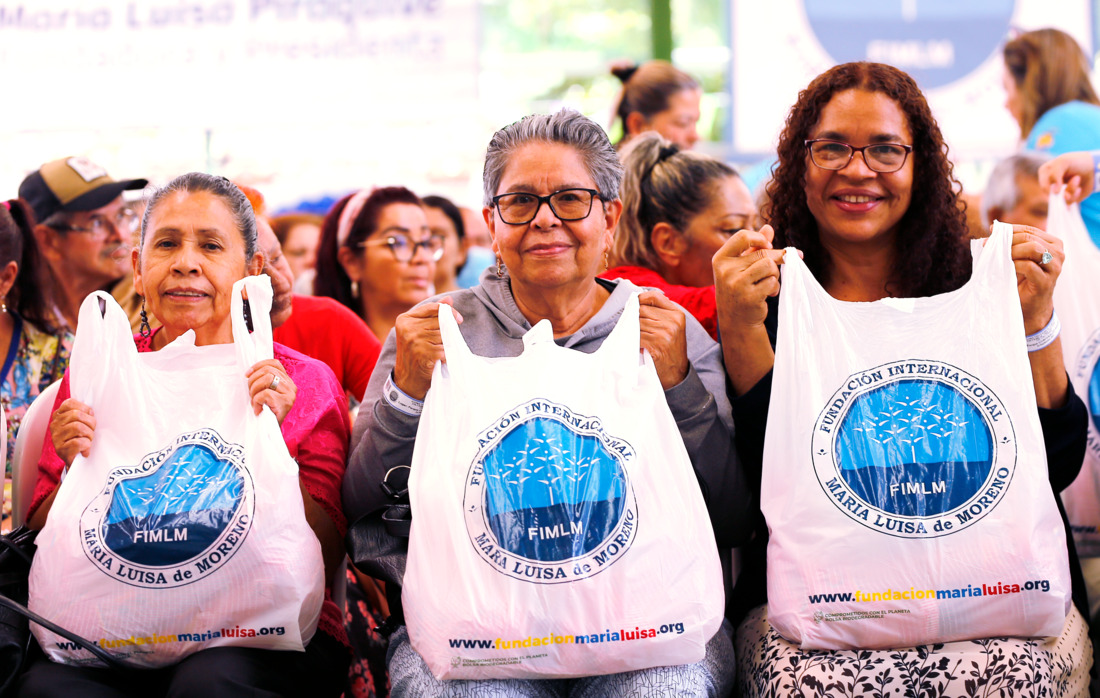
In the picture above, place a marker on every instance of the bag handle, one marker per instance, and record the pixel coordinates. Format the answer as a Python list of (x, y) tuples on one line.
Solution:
[(103, 335), (455, 349), (1064, 220), (798, 286), (621, 346), (253, 343), (993, 267)]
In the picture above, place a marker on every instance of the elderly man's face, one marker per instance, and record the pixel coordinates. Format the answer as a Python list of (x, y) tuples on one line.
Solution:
[(96, 244), (276, 267), (1031, 205)]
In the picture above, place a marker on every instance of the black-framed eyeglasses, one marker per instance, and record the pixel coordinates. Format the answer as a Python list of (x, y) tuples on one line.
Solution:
[(880, 157), (518, 208), (125, 222), (404, 248)]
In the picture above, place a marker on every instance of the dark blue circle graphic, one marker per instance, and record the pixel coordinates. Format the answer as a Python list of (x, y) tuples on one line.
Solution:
[(1094, 396), (914, 448), (175, 512), (935, 41), (552, 494)]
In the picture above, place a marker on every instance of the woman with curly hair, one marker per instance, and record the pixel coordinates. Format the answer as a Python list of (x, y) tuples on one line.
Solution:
[(864, 190)]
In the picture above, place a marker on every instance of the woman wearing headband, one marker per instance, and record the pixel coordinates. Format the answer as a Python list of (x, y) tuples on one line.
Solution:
[(377, 255)]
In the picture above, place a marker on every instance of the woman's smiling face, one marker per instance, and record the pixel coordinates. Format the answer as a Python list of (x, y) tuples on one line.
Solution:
[(856, 204), (192, 255), (547, 251)]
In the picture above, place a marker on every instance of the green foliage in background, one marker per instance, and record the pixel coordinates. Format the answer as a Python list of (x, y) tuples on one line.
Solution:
[(535, 57)]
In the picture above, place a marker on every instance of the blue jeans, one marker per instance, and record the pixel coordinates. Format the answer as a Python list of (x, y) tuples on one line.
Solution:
[(711, 678)]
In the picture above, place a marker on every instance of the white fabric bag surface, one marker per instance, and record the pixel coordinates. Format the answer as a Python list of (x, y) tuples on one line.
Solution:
[(1077, 302), (905, 479), (184, 527), (558, 527)]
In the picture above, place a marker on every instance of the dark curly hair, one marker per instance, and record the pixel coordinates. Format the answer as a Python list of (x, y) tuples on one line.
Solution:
[(933, 253)]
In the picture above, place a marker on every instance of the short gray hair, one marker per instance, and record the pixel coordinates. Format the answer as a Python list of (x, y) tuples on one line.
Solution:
[(567, 127), (1001, 191), (234, 199)]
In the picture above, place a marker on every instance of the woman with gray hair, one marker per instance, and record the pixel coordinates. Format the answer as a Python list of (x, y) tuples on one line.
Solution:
[(679, 208), (552, 205), (198, 238), (1013, 195)]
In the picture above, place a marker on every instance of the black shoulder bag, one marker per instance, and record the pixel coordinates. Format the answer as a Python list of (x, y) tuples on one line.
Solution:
[(16, 553), (378, 543)]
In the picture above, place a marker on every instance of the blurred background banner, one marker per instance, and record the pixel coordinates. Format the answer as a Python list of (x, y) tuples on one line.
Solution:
[(264, 89), (951, 47), (308, 99)]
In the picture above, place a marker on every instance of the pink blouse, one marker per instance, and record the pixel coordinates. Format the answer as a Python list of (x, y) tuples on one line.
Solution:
[(316, 431)]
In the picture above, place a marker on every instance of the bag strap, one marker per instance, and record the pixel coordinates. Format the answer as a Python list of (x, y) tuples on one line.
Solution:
[(251, 319), (104, 336), (455, 349), (993, 268), (621, 346), (20, 542), (798, 285), (95, 649), (397, 517)]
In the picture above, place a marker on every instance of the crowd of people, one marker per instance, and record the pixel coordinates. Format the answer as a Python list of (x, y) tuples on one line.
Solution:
[(571, 230)]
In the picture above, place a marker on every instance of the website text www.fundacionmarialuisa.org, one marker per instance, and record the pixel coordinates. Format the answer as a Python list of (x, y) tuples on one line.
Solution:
[(158, 639), (913, 593), (619, 635)]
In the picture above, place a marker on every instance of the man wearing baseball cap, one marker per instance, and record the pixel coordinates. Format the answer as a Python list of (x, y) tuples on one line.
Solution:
[(84, 230)]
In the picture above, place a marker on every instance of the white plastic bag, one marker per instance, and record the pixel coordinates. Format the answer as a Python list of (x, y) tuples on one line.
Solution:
[(184, 528), (1077, 302), (558, 527), (905, 480)]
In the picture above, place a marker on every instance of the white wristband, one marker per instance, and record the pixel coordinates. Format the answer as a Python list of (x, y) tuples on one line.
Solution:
[(1044, 337), (399, 400)]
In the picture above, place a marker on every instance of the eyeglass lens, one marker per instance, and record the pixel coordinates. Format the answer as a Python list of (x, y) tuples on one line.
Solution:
[(404, 249), (880, 157), (567, 205)]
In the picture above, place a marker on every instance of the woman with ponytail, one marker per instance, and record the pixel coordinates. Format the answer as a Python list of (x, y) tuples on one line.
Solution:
[(657, 97), (35, 352), (679, 208)]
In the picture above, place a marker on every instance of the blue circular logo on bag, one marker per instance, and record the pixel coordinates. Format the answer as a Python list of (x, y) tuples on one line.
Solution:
[(548, 497), (1094, 396), (914, 449), (173, 519)]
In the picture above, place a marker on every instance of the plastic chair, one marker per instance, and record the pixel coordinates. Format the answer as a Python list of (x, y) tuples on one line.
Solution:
[(28, 448)]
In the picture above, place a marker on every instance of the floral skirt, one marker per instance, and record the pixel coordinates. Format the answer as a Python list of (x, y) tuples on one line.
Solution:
[(771, 667)]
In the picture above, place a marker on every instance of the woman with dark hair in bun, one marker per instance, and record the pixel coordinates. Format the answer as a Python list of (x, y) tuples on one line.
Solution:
[(679, 208), (658, 97)]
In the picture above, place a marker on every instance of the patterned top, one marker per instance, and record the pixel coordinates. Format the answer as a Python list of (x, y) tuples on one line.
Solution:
[(35, 360)]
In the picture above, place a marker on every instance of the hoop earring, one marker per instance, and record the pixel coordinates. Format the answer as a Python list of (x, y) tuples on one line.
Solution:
[(354, 289), (606, 261), (500, 267), (144, 330)]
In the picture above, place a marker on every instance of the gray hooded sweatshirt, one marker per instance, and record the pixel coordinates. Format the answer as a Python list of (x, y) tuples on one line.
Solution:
[(493, 326)]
